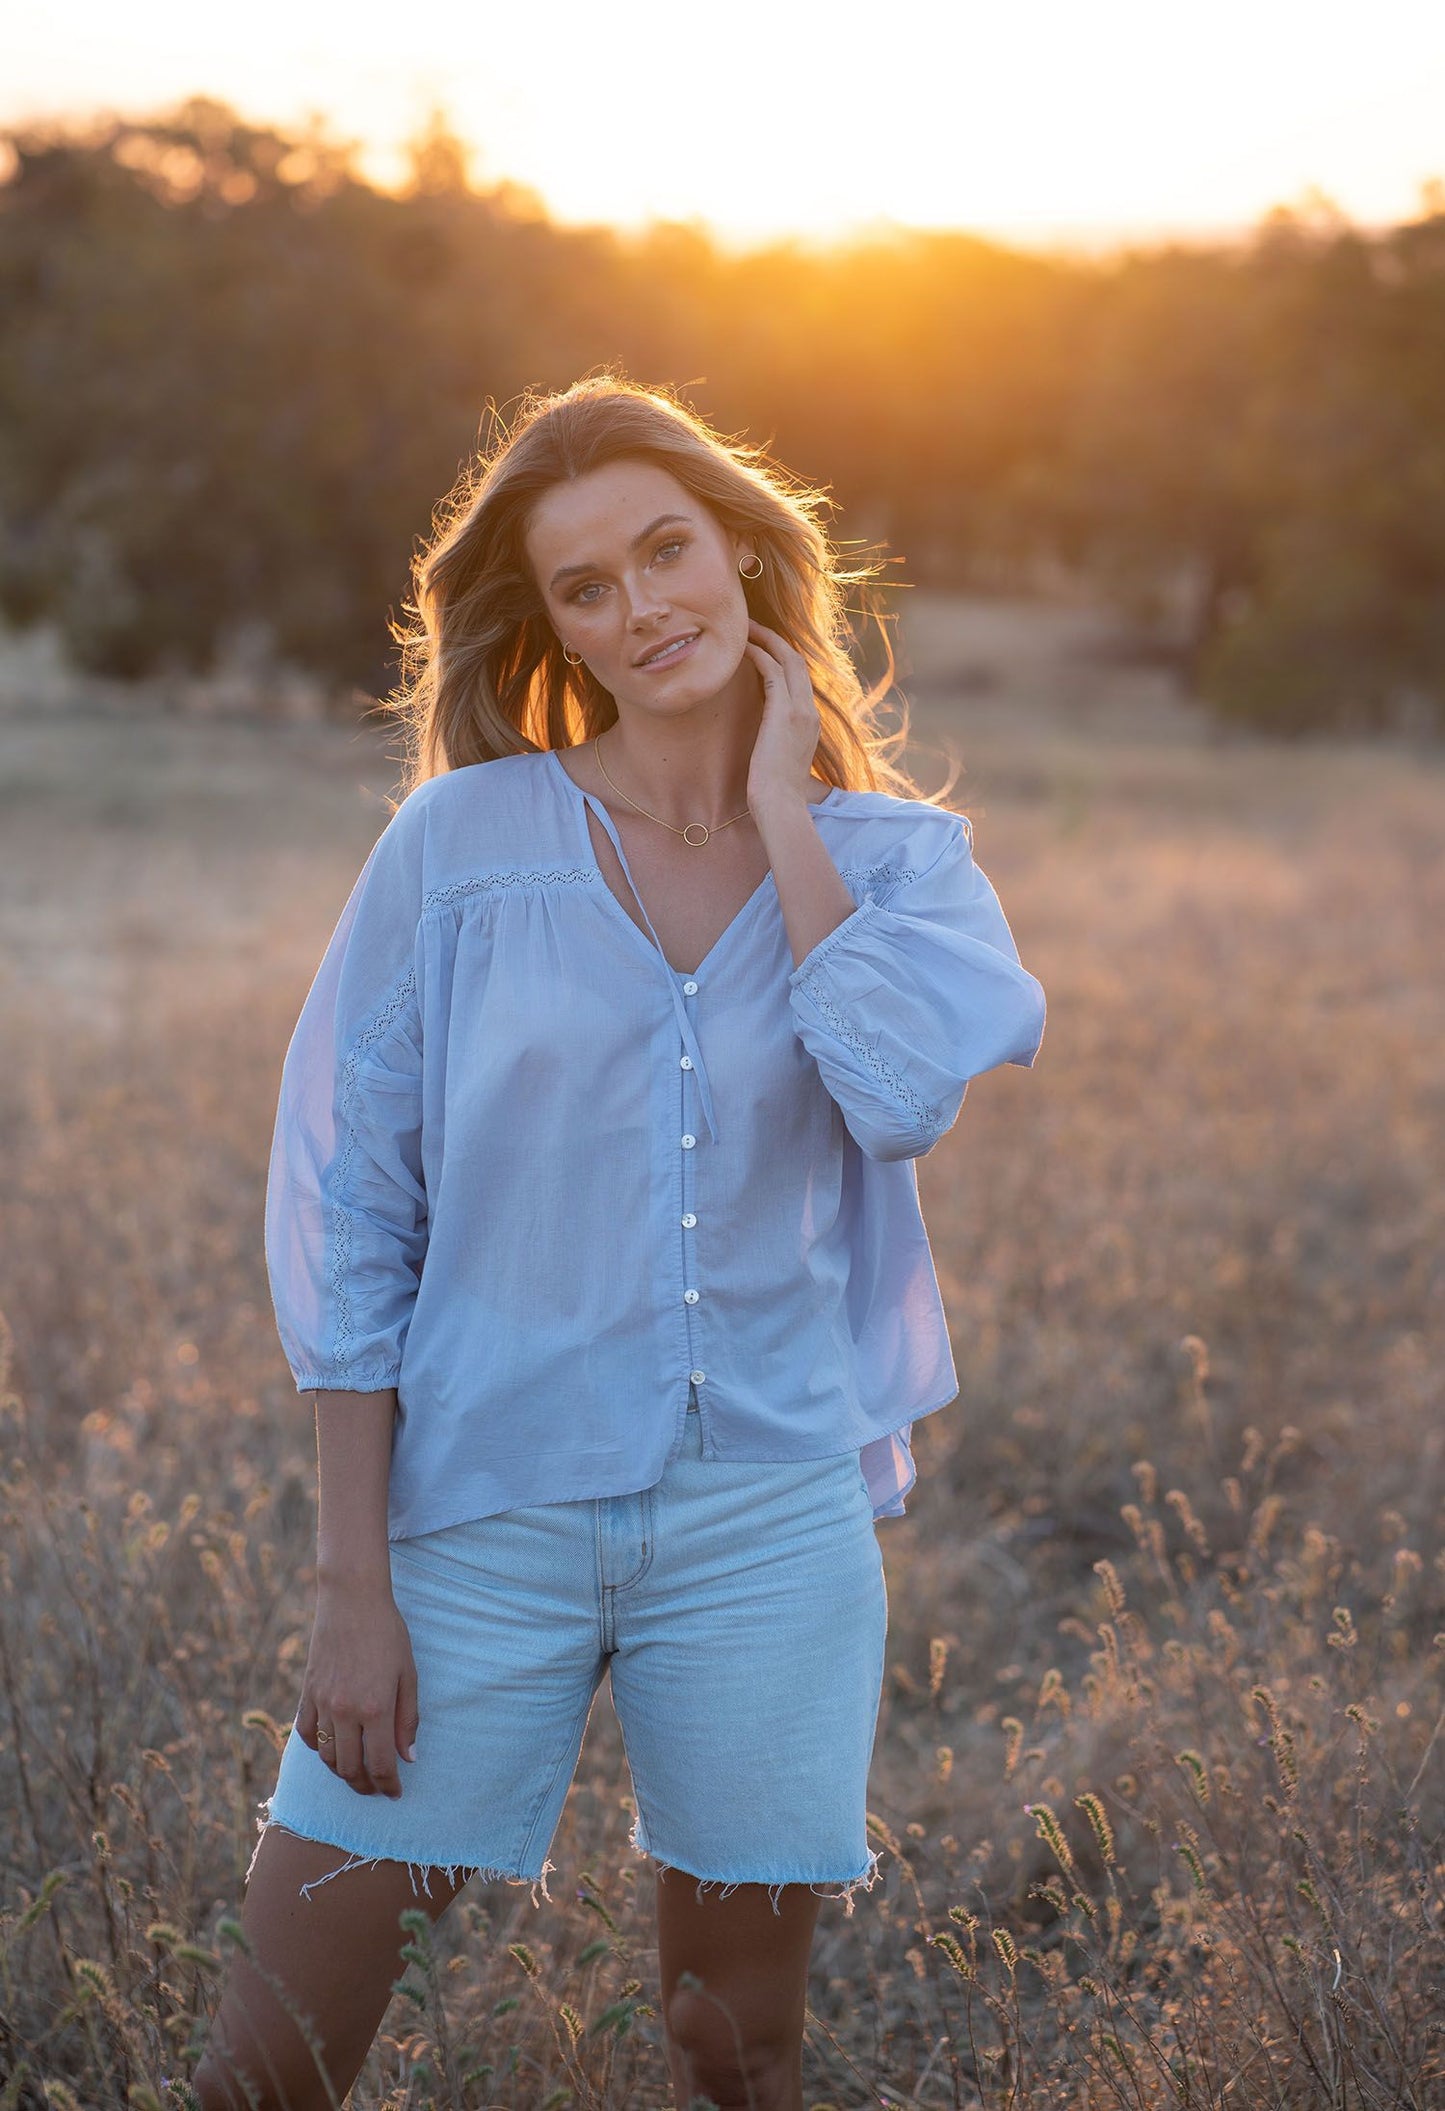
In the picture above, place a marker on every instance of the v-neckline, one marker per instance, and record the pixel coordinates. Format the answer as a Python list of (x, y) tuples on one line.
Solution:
[(655, 951)]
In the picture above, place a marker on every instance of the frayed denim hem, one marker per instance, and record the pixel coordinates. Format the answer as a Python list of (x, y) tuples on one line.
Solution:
[(725, 1886), (455, 1872)]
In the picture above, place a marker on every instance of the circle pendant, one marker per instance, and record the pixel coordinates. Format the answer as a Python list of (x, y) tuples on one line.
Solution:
[(696, 841)]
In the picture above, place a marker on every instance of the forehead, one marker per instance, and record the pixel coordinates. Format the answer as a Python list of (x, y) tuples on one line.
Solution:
[(593, 518)]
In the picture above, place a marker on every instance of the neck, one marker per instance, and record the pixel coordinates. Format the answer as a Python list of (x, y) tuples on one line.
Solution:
[(680, 772)]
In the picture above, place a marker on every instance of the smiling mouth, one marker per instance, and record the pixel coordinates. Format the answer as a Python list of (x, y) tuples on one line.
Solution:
[(673, 650)]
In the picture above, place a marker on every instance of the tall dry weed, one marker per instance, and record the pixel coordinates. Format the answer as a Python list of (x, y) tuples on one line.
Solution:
[(1158, 1781)]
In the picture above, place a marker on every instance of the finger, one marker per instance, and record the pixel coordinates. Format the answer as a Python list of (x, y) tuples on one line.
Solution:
[(776, 639), (348, 1757), (780, 655), (408, 1716), (779, 682), (762, 659), (378, 1749), (306, 1723)]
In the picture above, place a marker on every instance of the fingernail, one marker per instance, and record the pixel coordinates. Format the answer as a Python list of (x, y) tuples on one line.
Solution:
[(409, 1753)]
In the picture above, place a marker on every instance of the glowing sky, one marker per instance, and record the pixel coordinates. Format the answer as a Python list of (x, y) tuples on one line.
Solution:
[(1036, 120)]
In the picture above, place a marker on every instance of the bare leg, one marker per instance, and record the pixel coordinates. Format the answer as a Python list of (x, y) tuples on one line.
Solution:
[(336, 1954), (739, 2040)]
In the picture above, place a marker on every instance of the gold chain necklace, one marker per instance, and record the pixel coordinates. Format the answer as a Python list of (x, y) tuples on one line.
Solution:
[(696, 842)]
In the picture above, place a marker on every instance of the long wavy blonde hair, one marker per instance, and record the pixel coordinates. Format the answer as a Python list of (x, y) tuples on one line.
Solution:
[(482, 672)]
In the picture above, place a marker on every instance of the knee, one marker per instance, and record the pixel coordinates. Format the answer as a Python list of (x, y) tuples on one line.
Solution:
[(726, 2058)]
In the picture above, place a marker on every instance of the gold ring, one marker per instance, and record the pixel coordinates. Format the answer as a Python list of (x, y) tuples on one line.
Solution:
[(324, 1737)]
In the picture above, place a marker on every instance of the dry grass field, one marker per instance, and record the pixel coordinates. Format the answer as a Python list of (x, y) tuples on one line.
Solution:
[(1160, 1780)]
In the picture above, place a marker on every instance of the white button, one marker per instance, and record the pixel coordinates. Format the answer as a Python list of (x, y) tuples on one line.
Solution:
[(688, 1221), (685, 1062), (689, 989), (689, 1297), (697, 1377), (688, 1142)]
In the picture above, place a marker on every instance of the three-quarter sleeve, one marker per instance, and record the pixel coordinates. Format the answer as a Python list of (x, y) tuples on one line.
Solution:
[(916, 992), (346, 1204)]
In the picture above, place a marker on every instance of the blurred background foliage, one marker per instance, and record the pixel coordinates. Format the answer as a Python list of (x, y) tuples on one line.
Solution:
[(236, 378)]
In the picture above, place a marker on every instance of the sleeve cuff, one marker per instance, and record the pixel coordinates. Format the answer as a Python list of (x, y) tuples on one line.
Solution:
[(839, 933), (309, 1382)]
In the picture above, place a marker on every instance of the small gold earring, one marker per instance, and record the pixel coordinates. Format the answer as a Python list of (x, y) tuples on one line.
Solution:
[(751, 559), (573, 659)]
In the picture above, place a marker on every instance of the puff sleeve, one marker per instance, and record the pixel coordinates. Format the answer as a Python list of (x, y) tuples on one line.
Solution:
[(346, 1203), (916, 992)]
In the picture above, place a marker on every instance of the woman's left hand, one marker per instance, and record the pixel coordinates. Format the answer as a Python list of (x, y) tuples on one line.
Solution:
[(787, 740)]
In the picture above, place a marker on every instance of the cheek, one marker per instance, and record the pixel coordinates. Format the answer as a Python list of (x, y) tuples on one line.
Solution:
[(727, 622), (727, 607)]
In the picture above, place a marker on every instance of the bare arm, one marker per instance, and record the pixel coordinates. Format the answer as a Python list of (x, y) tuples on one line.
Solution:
[(360, 1683), (353, 1474)]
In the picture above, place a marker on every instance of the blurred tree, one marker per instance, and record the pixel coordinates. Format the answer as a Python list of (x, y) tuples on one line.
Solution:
[(235, 379), (438, 160)]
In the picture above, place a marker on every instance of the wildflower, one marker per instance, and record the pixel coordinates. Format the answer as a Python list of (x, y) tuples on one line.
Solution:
[(1094, 1811), (1049, 1829)]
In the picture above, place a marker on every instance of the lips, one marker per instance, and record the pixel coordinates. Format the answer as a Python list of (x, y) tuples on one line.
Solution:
[(670, 649)]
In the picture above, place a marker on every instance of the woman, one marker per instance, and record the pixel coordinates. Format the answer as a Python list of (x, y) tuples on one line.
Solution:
[(593, 1225)]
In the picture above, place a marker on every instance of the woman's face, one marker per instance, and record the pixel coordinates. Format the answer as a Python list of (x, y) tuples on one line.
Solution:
[(642, 579)]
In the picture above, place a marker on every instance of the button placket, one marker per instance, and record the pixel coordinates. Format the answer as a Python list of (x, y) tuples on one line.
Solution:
[(691, 1295)]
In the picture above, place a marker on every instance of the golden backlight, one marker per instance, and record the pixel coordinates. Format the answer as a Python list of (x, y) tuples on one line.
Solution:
[(1028, 120)]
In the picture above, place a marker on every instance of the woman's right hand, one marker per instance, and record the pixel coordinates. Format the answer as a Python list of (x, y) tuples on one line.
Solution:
[(360, 1684)]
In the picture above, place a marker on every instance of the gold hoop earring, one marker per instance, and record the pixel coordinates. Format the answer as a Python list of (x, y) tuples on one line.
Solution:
[(751, 559), (572, 659)]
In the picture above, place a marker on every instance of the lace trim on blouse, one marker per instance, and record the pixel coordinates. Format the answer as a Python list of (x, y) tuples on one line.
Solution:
[(380, 1024), (558, 876), (923, 1114)]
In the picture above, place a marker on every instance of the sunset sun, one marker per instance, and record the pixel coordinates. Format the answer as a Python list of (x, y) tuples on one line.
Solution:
[(779, 119)]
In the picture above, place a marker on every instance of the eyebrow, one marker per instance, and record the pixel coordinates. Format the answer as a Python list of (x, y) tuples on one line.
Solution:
[(663, 520)]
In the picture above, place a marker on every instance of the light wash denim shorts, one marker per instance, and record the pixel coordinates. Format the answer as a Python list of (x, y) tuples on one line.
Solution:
[(741, 1613)]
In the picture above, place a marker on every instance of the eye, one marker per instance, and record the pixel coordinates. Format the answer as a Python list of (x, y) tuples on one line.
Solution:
[(667, 552)]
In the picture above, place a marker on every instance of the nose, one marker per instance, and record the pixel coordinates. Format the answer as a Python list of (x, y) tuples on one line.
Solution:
[(645, 603)]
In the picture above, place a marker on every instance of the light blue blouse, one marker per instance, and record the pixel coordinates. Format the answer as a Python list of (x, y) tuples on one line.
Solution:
[(540, 1182)]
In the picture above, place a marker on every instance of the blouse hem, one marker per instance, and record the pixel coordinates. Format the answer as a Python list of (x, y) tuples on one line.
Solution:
[(410, 1530)]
